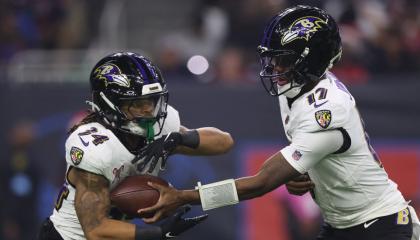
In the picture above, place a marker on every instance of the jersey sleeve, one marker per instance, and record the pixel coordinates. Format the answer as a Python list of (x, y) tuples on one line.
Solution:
[(172, 122), (307, 149), (81, 151)]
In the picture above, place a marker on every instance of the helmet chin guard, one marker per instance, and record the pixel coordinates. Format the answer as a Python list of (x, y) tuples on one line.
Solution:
[(289, 91), (145, 129)]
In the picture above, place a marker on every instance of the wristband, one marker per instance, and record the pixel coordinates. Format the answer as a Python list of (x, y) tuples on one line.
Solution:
[(148, 233), (218, 194), (190, 138)]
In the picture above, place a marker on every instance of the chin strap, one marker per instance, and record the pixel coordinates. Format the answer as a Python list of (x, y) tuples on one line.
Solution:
[(293, 92), (95, 108)]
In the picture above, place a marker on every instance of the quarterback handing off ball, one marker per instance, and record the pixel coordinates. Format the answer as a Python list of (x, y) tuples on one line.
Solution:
[(133, 193)]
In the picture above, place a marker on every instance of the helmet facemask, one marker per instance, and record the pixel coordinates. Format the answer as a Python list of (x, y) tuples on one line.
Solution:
[(124, 116), (141, 114), (278, 74)]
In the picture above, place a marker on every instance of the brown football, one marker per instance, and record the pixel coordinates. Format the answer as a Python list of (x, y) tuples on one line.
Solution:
[(133, 193)]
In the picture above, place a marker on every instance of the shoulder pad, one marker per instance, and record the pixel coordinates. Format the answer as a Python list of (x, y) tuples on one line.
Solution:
[(87, 147), (320, 112)]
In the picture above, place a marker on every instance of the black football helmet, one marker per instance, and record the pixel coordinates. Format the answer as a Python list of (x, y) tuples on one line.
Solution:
[(298, 46), (122, 79)]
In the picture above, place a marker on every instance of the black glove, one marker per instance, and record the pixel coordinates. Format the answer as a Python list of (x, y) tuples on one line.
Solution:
[(159, 149), (171, 228), (176, 225)]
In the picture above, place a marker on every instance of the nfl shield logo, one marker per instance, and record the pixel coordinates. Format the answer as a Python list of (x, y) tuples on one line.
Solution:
[(296, 155), (76, 155), (323, 118)]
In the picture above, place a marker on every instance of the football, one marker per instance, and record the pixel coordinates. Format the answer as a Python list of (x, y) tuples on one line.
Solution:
[(133, 193)]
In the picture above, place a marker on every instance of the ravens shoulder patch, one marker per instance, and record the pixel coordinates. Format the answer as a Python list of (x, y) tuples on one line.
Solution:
[(76, 155), (323, 118)]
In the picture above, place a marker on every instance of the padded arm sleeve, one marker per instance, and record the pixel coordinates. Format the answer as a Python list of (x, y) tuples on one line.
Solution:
[(307, 149)]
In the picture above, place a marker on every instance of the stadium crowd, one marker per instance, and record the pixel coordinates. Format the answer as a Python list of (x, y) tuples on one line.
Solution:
[(379, 37)]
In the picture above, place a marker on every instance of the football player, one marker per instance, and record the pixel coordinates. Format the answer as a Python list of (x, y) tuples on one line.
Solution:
[(327, 139), (129, 111)]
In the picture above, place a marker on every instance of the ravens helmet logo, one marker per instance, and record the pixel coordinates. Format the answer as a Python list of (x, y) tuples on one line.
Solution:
[(302, 28), (111, 74)]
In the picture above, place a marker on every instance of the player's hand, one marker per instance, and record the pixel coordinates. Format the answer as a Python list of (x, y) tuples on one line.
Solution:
[(158, 149), (169, 200), (176, 225), (300, 185)]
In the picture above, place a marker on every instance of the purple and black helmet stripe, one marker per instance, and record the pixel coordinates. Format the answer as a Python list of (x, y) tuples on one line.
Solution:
[(141, 66), (150, 67), (269, 30)]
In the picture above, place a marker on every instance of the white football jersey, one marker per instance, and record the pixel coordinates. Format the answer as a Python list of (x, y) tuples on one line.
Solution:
[(96, 149), (329, 142)]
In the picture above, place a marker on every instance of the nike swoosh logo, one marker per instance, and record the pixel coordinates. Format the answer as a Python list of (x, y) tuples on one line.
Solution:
[(319, 105), (366, 225), (84, 143), (169, 235)]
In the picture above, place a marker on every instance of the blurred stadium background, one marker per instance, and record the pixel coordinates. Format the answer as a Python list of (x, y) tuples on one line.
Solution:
[(206, 50)]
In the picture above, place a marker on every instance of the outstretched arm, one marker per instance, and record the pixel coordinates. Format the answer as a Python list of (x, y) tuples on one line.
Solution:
[(201, 141), (310, 148), (212, 141), (273, 173)]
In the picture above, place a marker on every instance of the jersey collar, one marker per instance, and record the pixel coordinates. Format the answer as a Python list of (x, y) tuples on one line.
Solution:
[(308, 87)]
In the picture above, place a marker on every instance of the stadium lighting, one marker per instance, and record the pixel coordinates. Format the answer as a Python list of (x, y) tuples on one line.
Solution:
[(197, 65)]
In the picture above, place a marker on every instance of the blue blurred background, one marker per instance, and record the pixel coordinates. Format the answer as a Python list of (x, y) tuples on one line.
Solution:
[(207, 52)]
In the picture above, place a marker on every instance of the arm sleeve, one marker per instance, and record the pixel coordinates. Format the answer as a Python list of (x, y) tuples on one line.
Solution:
[(307, 149)]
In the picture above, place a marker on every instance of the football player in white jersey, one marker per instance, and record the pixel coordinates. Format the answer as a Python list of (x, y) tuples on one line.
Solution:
[(129, 111), (327, 139)]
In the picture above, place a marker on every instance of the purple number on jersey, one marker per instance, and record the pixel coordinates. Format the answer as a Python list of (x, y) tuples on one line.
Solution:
[(97, 139), (322, 94), (89, 131), (63, 194)]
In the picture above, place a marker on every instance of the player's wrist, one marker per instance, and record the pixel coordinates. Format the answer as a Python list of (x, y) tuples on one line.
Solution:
[(217, 194), (148, 233), (190, 138), (189, 197)]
